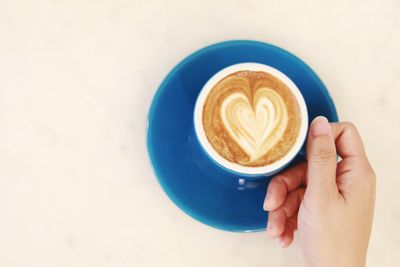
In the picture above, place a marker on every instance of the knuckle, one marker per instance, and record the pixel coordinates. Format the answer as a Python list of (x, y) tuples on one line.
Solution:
[(275, 182), (280, 179), (350, 126), (371, 174), (323, 154)]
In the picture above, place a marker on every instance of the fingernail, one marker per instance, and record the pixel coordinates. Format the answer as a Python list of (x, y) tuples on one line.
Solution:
[(282, 243), (320, 126), (266, 202)]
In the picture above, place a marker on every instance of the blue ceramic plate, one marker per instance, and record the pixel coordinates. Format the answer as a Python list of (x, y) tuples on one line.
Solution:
[(192, 181)]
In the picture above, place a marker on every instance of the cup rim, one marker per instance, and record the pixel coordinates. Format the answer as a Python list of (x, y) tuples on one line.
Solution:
[(234, 167)]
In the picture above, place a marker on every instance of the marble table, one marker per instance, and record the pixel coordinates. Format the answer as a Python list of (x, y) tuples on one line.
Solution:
[(76, 82)]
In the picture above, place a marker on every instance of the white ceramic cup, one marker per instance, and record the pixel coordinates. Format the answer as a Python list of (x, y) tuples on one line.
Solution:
[(235, 168)]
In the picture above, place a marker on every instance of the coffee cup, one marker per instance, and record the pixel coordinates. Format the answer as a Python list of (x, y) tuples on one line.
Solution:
[(251, 119)]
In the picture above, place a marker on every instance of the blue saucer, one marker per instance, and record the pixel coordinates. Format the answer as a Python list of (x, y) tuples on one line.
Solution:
[(192, 181)]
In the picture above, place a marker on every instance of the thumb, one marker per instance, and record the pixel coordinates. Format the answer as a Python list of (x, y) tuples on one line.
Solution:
[(321, 157)]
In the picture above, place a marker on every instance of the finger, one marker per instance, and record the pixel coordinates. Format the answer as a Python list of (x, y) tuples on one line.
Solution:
[(277, 219), (354, 159), (293, 201), (292, 221), (348, 140), (321, 156), (282, 184), (276, 223), (286, 238), (288, 235)]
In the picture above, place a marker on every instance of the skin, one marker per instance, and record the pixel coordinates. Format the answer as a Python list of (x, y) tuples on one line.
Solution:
[(330, 202)]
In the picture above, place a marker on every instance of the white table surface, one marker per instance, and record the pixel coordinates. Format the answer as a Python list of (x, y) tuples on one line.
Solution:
[(76, 82)]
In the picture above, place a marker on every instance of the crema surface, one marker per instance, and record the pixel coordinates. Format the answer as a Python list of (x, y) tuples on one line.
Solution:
[(251, 118)]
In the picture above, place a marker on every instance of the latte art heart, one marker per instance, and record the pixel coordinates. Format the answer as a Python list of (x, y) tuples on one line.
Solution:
[(251, 118), (258, 126)]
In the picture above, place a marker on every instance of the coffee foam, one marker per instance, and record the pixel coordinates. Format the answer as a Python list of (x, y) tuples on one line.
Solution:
[(246, 117), (256, 127)]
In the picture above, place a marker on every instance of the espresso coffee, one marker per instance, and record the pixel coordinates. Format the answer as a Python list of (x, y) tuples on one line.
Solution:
[(251, 118)]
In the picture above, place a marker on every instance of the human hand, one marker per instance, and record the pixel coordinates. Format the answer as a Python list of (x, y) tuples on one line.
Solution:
[(331, 203)]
